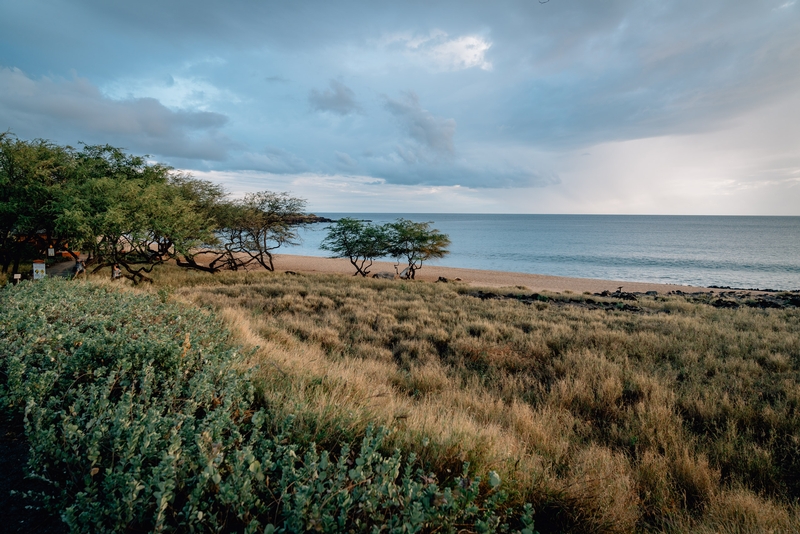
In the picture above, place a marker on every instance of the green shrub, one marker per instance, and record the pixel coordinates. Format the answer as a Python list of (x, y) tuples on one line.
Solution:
[(138, 417)]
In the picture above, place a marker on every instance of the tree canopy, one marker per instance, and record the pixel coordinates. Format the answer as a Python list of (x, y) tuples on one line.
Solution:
[(122, 209), (358, 241), (35, 178), (407, 241), (416, 242)]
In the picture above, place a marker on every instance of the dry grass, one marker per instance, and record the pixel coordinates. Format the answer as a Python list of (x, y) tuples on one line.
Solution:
[(680, 417)]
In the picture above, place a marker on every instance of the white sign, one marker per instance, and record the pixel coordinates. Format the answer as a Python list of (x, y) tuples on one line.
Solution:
[(51, 252), (17, 276), (38, 271)]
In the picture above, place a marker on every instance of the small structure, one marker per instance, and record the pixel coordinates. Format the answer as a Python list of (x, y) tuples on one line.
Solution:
[(39, 270)]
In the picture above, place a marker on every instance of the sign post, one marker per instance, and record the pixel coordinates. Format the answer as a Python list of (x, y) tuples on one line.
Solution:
[(39, 270)]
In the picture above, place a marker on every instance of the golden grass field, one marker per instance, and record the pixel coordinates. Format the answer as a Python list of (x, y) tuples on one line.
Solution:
[(678, 416)]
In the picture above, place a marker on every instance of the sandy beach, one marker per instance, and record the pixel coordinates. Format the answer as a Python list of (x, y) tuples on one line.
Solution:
[(476, 277)]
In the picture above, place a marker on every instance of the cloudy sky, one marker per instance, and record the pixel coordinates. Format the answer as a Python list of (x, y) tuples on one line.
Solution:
[(567, 106)]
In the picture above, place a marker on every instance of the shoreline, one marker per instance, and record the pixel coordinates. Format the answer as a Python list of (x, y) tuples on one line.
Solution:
[(483, 278)]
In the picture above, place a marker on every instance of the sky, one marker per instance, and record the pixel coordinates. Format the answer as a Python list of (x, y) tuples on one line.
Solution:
[(562, 106)]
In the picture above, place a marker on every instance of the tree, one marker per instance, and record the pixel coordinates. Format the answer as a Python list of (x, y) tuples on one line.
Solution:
[(260, 223), (415, 242), (357, 241), (210, 201), (35, 178), (126, 211), (122, 209)]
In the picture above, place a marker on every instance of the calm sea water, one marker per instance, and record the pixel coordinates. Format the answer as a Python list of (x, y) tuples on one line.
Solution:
[(742, 252)]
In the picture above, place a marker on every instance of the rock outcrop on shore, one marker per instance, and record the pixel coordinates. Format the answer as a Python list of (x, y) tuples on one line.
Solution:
[(616, 301), (310, 219)]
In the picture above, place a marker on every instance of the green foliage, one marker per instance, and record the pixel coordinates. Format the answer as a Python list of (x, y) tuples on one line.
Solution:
[(34, 189), (127, 211), (358, 241), (116, 207), (122, 209), (258, 224), (409, 241), (416, 242), (139, 419)]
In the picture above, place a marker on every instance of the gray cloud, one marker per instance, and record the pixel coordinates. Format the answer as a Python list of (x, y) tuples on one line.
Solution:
[(627, 71), (565, 76), (431, 132), (339, 99), (401, 168), (463, 174), (274, 160), (77, 108), (345, 160)]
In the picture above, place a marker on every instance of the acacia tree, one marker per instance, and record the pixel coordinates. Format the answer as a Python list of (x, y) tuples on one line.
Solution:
[(129, 212), (415, 243), (211, 203), (121, 209), (406, 240), (357, 241), (35, 178), (257, 225)]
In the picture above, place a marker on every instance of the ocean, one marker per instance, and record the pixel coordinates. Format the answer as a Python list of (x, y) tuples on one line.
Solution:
[(726, 251)]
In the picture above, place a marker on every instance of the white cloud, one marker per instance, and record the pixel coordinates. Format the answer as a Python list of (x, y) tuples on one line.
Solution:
[(461, 53), (441, 52), (176, 92), (342, 193)]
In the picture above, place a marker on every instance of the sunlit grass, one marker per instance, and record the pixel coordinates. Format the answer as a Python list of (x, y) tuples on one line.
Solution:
[(679, 416)]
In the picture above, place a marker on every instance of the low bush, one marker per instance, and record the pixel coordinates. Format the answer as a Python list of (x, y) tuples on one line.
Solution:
[(140, 417)]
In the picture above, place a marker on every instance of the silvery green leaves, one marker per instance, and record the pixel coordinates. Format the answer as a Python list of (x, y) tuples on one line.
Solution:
[(138, 416)]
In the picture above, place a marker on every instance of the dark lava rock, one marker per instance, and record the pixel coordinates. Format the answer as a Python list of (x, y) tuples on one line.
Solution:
[(792, 300), (620, 306), (619, 294), (720, 303), (764, 304)]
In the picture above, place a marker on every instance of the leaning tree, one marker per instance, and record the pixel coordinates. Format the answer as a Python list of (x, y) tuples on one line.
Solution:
[(133, 213), (415, 243), (360, 242), (254, 227), (122, 209)]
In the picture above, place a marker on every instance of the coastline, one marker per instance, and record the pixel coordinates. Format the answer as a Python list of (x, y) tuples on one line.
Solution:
[(482, 278)]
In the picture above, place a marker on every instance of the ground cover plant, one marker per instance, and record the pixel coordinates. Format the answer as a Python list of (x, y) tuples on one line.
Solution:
[(142, 416), (661, 413)]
